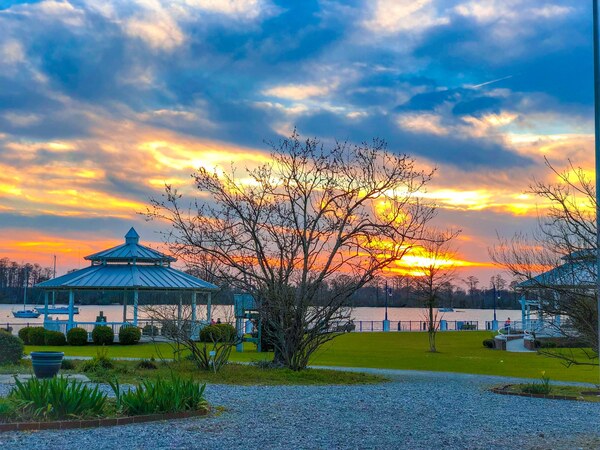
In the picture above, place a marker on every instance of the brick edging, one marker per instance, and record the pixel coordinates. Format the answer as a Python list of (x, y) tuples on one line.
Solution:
[(95, 423), (504, 391)]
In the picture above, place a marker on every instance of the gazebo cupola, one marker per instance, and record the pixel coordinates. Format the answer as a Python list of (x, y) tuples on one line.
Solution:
[(131, 252)]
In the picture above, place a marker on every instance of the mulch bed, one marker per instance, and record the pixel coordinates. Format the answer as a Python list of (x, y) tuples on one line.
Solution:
[(95, 423), (505, 390)]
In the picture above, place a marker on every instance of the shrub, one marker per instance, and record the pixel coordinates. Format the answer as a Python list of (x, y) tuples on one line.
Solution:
[(129, 335), (24, 334), (488, 343), (543, 387), (11, 348), (57, 398), (67, 364), (146, 364), (99, 362), (77, 336), (37, 336), (222, 332), (150, 330), (54, 338), (103, 335), (161, 396)]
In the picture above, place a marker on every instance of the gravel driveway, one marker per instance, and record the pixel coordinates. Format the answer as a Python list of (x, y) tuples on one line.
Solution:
[(417, 410)]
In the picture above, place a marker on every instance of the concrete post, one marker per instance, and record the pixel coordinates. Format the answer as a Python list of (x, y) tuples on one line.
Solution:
[(135, 307)]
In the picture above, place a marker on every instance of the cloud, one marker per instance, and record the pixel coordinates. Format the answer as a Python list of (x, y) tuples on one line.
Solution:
[(411, 16)]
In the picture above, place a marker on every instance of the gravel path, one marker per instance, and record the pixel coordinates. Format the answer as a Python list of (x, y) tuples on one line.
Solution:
[(417, 410)]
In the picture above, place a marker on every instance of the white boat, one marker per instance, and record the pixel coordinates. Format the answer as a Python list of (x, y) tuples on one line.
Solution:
[(56, 310)]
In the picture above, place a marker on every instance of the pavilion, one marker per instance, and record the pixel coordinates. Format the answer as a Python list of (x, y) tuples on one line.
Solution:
[(130, 268)]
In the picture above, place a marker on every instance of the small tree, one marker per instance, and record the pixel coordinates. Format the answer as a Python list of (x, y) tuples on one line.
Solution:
[(313, 216), (433, 275)]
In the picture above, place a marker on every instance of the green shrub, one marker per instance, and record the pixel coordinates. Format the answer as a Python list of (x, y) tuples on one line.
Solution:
[(161, 396), (488, 343), (150, 330), (37, 336), (129, 335), (146, 364), (6, 409), (103, 335), (222, 332), (77, 336), (24, 335), (67, 364), (56, 398), (99, 362), (11, 348), (54, 338)]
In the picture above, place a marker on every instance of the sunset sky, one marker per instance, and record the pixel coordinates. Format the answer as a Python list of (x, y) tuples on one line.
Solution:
[(102, 102)]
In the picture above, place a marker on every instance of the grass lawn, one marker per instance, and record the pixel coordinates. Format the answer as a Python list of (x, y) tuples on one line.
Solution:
[(128, 372), (582, 393), (458, 352)]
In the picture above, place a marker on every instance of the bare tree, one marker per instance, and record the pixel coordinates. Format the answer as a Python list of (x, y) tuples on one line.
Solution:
[(434, 275), (313, 217), (557, 263)]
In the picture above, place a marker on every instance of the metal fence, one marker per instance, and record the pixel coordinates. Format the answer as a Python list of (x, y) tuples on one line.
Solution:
[(161, 327)]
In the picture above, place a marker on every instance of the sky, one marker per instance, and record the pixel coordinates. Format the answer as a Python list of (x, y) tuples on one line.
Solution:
[(101, 103)]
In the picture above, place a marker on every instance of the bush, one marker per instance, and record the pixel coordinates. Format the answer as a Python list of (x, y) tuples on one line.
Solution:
[(161, 396), (129, 335), (11, 348), (24, 335), (99, 362), (150, 330), (146, 364), (67, 364), (77, 336), (56, 398), (222, 332), (37, 336), (54, 338), (488, 343), (103, 335)]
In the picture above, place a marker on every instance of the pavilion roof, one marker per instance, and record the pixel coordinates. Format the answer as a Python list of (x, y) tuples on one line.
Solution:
[(120, 268)]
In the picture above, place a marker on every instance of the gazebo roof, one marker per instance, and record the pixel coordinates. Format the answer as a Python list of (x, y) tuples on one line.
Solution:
[(130, 251), (579, 271), (129, 266)]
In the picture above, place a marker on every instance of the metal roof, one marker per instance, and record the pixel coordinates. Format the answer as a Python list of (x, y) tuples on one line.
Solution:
[(116, 272), (578, 272), (130, 251)]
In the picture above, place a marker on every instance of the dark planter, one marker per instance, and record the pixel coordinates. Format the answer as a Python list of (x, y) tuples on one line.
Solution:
[(46, 364)]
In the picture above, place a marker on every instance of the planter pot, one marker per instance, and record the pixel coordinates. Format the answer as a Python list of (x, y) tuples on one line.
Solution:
[(46, 364)]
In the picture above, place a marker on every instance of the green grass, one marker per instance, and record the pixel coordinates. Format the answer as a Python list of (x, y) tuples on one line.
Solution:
[(582, 393), (242, 374), (458, 352)]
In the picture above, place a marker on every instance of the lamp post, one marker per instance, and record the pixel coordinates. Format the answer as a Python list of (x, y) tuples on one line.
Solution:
[(597, 158)]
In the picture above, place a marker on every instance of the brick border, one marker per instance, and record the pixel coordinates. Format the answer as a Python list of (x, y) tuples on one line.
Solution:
[(96, 423), (504, 391)]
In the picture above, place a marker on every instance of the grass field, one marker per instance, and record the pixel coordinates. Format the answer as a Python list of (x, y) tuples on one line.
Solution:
[(458, 352)]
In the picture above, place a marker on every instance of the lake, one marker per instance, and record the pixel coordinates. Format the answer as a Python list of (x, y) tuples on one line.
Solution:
[(114, 313)]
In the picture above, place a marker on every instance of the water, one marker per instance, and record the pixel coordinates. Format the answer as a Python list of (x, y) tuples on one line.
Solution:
[(114, 313)]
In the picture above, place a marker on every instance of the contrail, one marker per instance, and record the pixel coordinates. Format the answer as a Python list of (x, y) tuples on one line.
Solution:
[(490, 82)]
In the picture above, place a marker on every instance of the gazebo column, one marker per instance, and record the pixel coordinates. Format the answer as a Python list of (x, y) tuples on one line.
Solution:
[(71, 307), (194, 307), (45, 306), (208, 306), (179, 309), (522, 301), (135, 307), (124, 306)]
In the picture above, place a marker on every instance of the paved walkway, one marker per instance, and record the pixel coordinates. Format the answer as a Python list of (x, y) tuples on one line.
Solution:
[(416, 410)]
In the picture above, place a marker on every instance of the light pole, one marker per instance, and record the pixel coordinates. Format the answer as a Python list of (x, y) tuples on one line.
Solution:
[(597, 158)]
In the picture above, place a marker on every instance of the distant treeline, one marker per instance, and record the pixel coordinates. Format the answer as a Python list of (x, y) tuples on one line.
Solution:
[(398, 291)]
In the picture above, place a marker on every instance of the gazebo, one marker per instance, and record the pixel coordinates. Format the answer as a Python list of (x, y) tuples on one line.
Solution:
[(130, 268)]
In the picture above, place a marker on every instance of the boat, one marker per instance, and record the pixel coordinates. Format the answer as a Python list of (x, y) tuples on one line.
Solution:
[(446, 309), (57, 310), (26, 314)]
